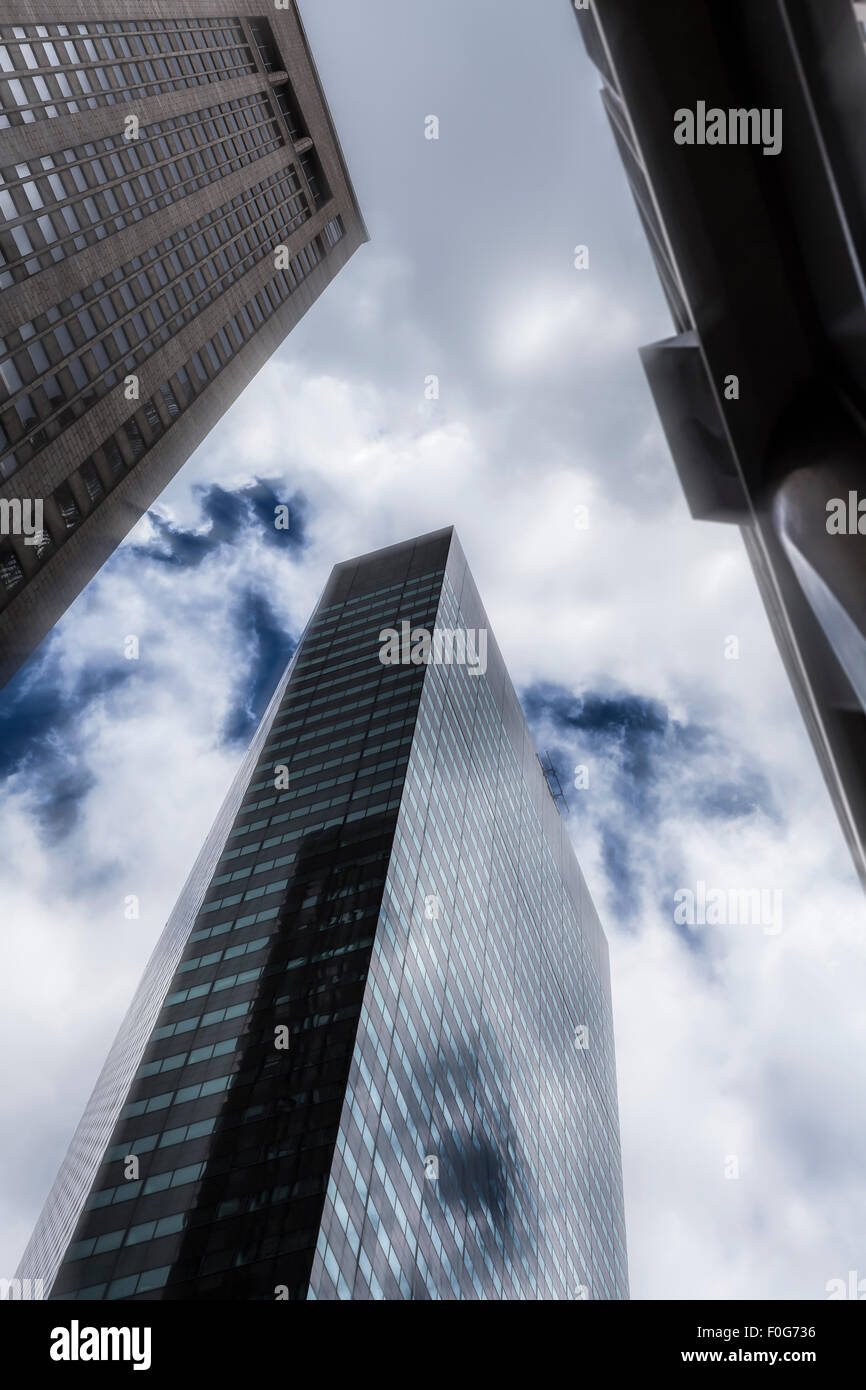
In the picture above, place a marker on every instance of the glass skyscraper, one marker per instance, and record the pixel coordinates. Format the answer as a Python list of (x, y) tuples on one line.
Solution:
[(372, 1055), (173, 198)]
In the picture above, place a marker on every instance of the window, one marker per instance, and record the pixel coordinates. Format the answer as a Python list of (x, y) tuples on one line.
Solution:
[(11, 573), (67, 506), (91, 480)]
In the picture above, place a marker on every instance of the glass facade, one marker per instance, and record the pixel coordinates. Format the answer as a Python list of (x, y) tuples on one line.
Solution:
[(376, 1059), (177, 221), (484, 1052)]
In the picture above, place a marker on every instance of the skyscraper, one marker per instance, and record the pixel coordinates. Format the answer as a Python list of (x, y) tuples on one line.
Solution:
[(757, 225), (172, 201), (372, 1054)]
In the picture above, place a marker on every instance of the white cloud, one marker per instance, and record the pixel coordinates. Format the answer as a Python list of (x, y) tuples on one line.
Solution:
[(540, 328), (645, 605), (750, 1044)]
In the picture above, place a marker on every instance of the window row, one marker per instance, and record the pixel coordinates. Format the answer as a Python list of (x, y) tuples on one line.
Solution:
[(49, 71), (75, 322), (345, 759), (184, 1059), (164, 1138), (87, 486), (384, 708), (286, 743), (245, 948), (317, 807), (121, 330), (127, 1191), (100, 192)]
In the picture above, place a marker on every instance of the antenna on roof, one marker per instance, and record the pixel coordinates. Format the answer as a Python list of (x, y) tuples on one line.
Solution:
[(554, 786)]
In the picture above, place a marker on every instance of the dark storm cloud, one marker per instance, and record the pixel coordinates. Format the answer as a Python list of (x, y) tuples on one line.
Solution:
[(653, 768), (226, 515), (40, 715), (41, 712), (269, 645), (266, 642)]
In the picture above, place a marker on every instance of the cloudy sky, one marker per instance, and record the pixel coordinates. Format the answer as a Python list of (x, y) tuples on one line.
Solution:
[(738, 1049)]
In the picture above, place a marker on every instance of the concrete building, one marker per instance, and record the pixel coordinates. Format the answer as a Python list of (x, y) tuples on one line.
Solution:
[(153, 159)]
